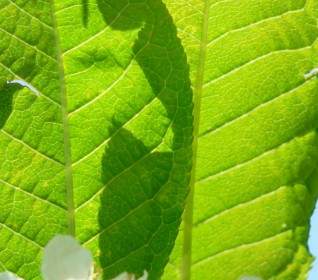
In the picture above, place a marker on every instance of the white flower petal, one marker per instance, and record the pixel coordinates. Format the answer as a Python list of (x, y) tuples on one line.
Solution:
[(8, 276), (123, 276), (127, 276), (145, 276), (250, 278), (65, 259)]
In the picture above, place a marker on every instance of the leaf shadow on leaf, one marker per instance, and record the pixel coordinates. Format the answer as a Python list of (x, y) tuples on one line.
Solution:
[(85, 12), (129, 215), (7, 93), (141, 205)]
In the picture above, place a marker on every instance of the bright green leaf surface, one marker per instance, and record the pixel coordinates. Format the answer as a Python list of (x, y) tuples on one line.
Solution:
[(105, 150), (256, 138)]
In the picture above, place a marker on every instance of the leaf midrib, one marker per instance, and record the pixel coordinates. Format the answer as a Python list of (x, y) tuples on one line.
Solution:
[(66, 130), (198, 88)]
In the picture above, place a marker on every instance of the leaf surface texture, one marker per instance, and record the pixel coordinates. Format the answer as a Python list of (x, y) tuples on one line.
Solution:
[(255, 138), (104, 151)]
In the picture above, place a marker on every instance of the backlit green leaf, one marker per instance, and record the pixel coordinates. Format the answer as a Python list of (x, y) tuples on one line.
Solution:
[(256, 140), (104, 151)]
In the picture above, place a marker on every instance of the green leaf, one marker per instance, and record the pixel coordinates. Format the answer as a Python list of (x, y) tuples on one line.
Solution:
[(104, 152), (255, 138)]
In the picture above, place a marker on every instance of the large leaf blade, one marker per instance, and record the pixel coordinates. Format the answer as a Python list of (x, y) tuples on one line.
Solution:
[(106, 148), (256, 138)]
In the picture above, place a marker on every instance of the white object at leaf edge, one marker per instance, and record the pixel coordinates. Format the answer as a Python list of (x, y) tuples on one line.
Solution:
[(25, 84), (312, 73), (65, 259), (127, 276), (8, 276), (250, 278)]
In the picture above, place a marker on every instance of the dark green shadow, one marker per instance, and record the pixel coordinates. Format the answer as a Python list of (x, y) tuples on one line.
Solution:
[(7, 92), (128, 236), (85, 12), (151, 185)]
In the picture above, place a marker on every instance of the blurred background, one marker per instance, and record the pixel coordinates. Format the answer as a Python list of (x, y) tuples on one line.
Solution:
[(313, 244)]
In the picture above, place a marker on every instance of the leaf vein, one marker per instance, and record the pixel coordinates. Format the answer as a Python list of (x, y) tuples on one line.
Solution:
[(239, 67), (241, 246), (117, 130), (255, 109), (27, 13), (27, 44), (254, 24), (131, 211), (119, 174), (15, 232), (20, 78), (239, 165), (97, 34), (111, 86), (239, 205), (36, 197), (31, 148)]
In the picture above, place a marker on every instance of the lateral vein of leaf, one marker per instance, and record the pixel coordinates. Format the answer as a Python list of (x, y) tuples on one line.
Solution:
[(134, 209), (117, 130), (21, 235), (239, 67), (29, 147), (66, 132), (97, 34), (79, 72), (20, 78), (249, 161), (32, 195), (99, 96), (71, 7), (113, 84), (129, 254), (220, 37), (194, 7), (131, 211), (218, 3), (253, 110), (27, 13), (188, 34), (277, 274), (118, 175), (242, 246), (185, 272), (3, 266), (202, 13), (27, 44), (239, 205)]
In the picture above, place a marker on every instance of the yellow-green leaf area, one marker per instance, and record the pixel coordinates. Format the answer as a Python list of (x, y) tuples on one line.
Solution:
[(104, 152), (256, 147)]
